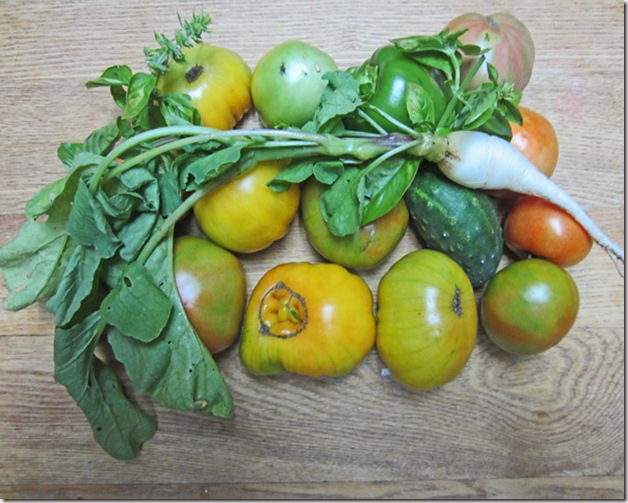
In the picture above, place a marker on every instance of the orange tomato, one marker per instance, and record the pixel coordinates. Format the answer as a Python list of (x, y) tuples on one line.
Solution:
[(536, 227), (310, 319), (536, 139)]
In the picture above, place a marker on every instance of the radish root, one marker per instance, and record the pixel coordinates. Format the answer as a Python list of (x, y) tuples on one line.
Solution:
[(480, 161)]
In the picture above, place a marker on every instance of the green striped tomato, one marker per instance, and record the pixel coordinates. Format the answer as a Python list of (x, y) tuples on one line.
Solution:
[(427, 319), (529, 306)]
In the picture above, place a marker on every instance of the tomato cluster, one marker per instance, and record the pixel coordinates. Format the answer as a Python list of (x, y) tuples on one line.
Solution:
[(320, 319)]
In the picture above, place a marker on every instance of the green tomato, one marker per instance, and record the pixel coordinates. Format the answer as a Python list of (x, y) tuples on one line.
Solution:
[(529, 306), (211, 285), (288, 83), (364, 249)]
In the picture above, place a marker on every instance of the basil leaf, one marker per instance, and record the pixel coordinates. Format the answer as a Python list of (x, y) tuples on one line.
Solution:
[(178, 109), (117, 424), (138, 94), (340, 97), (385, 186), (118, 75), (420, 106)]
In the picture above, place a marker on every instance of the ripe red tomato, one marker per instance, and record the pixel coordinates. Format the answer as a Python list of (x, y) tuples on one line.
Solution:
[(536, 139), (539, 228), (529, 306)]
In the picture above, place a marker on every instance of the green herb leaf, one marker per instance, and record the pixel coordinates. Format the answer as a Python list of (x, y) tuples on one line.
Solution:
[(33, 262), (178, 109), (207, 167), (128, 309), (340, 97), (88, 225), (420, 107), (175, 368), (385, 186), (339, 204), (79, 282), (138, 94), (118, 75), (117, 424)]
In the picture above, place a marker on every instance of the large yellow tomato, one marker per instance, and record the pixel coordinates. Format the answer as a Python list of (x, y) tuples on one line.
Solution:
[(427, 319), (217, 79), (245, 215), (311, 319)]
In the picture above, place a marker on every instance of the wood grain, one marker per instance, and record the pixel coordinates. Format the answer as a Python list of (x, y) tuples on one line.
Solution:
[(544, 427)]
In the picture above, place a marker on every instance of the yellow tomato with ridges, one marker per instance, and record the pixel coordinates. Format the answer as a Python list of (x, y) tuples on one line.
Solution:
[(310, 319)]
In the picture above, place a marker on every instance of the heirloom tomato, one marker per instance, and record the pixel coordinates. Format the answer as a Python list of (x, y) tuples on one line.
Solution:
[(245, 215), (427, 319), (288, 83), (509, 45), (536, 227), (364, 249), (217, 79), (529, 306), (310, 319), (211, 285)]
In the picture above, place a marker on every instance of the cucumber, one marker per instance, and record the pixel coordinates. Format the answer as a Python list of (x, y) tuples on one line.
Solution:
[(458, 221)]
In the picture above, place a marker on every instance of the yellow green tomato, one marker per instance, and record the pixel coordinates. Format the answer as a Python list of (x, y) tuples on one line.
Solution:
[(217, 79), (529, 306), (427, 319), (288, 83), (310, 319), (245, 215), (364, 249), (211, 285)]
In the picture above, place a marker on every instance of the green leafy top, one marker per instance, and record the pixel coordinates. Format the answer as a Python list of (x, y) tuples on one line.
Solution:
[(188, 35)]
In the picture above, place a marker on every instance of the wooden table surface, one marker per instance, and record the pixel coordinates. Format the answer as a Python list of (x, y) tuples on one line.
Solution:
[(547, 426)]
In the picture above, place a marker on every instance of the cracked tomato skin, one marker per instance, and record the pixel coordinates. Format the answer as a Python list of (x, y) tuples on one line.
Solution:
[(427, 319), (529, 306), (364, 249), (311, 319), (217, 79), (244, 215), (212, 288)]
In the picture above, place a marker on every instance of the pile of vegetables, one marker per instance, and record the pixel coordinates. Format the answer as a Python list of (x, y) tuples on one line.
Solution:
[(423, 133)]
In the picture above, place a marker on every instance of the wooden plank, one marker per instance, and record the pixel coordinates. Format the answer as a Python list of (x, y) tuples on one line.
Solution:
[(589, 488), (544, 427)]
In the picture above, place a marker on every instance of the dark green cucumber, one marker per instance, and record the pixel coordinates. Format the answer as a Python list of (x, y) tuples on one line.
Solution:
[(458, 221)]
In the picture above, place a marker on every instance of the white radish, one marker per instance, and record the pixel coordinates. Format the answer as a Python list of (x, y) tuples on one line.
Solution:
[(481, 161)]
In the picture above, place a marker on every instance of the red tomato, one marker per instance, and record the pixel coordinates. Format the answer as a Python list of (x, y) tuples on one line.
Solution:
[(536, 139), (536, 227)]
